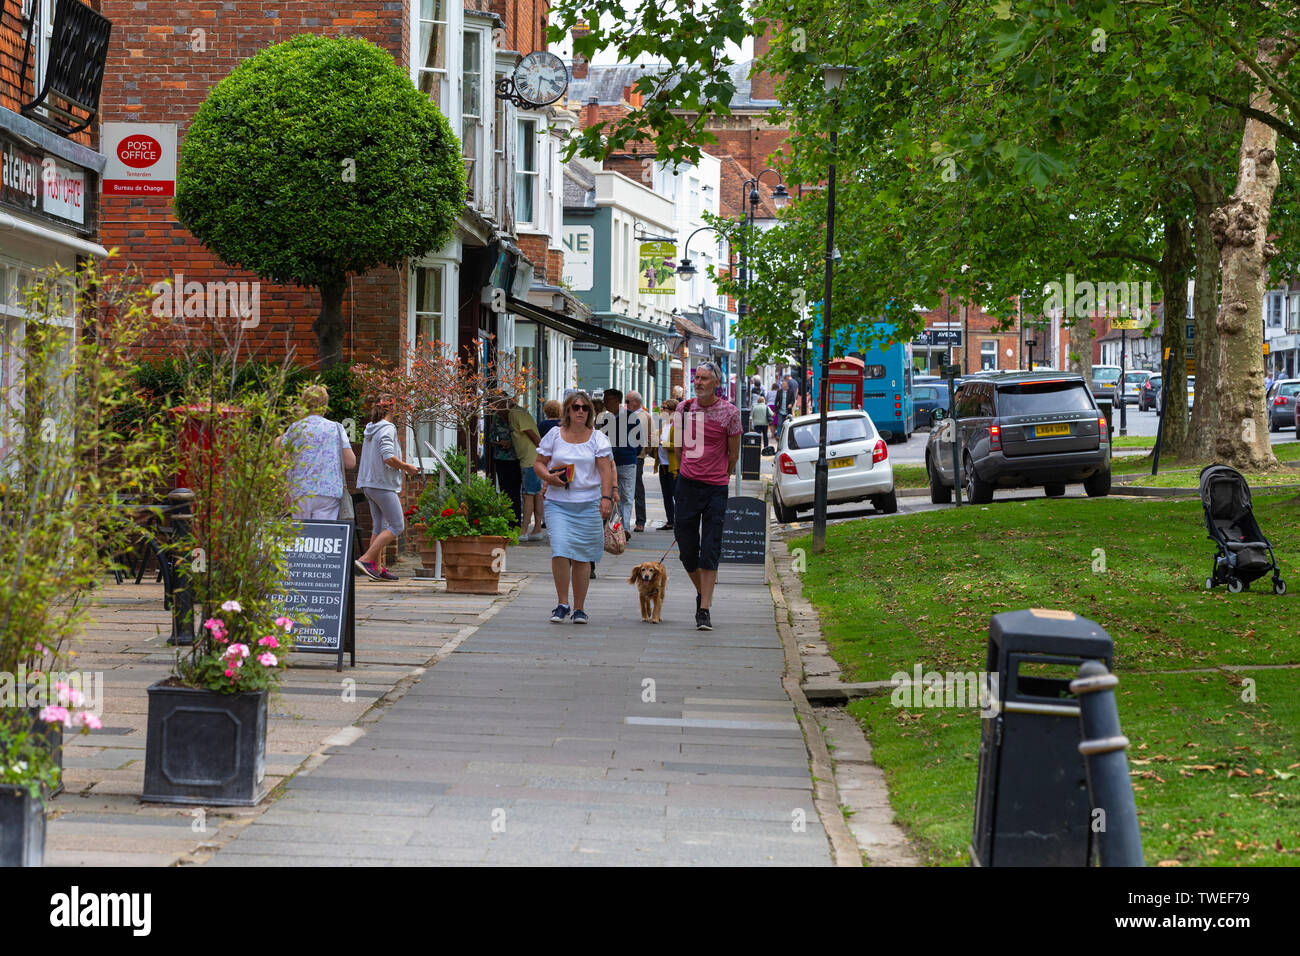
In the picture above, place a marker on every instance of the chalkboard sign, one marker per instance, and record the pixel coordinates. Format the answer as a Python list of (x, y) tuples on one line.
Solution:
[(744, 532), (319, 555)]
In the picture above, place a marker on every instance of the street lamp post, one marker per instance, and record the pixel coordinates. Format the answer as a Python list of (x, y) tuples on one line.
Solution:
[(834, 82)]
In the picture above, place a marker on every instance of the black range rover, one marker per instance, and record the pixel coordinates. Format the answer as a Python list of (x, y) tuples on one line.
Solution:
[(1020, 430)]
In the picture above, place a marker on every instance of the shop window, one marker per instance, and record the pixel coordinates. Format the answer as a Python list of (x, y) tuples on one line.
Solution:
[(427, 324)]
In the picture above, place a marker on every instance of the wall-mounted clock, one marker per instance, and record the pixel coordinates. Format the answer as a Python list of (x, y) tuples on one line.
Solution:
[(539, 79)]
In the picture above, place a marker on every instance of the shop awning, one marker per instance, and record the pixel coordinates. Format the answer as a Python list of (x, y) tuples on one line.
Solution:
[(580, 331)]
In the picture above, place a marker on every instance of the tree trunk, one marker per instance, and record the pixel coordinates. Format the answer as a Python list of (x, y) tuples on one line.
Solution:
[(329, 324), (1079, 358), (1205, 305), (1241, 233), (1173, 296)]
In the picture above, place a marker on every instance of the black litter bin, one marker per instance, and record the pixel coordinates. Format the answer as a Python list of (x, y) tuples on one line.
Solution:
[(1031, 796), (1107, 406), (751, 455)]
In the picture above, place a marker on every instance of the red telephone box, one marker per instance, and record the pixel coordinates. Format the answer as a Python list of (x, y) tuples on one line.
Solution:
[(845, 381)]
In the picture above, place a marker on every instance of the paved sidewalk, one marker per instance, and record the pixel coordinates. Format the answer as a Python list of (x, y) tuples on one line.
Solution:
[(536, 743), (100, 821)]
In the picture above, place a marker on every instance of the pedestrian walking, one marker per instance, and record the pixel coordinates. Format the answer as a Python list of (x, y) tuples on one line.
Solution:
[(550, 416), (551, 410), (774, 403), (623, 433), (379, 477), (646, 432), (504, 459), (321, 454), (574, 460), (666, 459), (709, 448), (760, 416), (525, 439)]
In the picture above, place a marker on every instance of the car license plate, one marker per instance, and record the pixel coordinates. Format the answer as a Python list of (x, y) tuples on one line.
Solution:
[(1047, 431), (841, 462)]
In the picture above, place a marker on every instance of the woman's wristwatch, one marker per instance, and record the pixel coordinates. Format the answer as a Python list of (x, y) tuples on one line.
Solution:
[(606, 497)]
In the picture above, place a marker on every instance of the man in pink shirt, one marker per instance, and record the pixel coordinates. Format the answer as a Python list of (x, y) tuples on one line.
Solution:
[(709, 430)]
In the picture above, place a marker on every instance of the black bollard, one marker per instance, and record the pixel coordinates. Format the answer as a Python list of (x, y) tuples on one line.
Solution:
[(1119, 841), (179, 501)]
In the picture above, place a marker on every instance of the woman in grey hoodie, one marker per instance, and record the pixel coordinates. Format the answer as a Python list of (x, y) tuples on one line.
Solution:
[(379, 477)]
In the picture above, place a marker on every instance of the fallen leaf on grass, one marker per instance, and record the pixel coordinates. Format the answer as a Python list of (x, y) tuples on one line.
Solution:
[(1283, 776), (1170, 863), (1237, 772)]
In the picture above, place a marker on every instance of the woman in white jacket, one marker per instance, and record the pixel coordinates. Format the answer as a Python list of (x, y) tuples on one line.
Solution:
[(379, 477)]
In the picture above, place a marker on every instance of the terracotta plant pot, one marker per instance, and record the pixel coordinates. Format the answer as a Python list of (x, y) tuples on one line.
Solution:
[(472, 563), (428, 552)]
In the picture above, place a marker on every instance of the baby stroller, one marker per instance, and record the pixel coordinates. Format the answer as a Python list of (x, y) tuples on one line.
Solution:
[(1244, 553)]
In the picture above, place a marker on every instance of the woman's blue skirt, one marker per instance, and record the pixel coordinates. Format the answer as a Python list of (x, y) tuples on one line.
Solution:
[(576, 529)]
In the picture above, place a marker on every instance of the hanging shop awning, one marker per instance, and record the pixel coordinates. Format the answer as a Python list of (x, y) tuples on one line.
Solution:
[(580, 331)]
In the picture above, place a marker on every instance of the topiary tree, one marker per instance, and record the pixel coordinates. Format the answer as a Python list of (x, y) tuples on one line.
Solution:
[(315, 159)]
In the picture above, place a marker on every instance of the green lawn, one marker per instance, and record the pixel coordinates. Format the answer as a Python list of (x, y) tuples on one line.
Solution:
[(1222, 781)]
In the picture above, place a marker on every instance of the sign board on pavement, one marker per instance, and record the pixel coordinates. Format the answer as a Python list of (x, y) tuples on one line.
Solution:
[(319, 555), (744, 531)]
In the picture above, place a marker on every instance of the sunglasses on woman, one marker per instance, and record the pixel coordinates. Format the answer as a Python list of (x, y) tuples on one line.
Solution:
[(581, 408)]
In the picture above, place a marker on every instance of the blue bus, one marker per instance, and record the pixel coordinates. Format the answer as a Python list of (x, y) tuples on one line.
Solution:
[(886, 375)]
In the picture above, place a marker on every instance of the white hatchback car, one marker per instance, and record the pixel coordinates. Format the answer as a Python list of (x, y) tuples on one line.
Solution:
[(856, 456)]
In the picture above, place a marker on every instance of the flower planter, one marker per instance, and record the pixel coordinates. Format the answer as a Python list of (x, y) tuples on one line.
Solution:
[(428, 552), (471, 563), (22, 827), (204, 747)]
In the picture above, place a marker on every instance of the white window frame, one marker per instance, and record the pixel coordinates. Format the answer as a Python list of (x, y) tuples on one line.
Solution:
[(533, 123), (443, 437), (478, 180), (442, 76), (1273, 307), (984, 352)]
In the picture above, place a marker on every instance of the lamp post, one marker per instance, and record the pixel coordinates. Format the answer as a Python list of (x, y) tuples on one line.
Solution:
[(834, 82)]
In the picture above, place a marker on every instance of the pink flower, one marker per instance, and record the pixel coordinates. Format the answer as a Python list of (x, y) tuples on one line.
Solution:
[(285, 623), (89, 720), (237, 650), (216, 626), (267, 659), (56, 715), (268, 641), (66, 694), (230, 672), (232, 606)]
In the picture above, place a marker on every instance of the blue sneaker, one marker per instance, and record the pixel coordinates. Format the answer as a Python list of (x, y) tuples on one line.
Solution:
[(559, 614), (579, 617)]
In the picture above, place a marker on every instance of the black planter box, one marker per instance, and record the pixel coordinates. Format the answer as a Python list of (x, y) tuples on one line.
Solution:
[(22, 828), (204, 747)]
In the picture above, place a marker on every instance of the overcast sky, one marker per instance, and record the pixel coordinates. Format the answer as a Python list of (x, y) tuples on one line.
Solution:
[(564, 49)]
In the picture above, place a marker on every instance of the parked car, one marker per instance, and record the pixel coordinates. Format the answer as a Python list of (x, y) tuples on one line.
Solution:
[(1020, 430), (1281, 402), (1105, 381), (1133, 382), (929, 398), (1149, 396), (859, 466)]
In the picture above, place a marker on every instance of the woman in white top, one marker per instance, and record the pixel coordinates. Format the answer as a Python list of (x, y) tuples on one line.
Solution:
[(578, 501), (320, 453)]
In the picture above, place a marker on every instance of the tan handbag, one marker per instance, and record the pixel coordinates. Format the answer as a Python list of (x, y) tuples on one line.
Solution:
[(615, 533)]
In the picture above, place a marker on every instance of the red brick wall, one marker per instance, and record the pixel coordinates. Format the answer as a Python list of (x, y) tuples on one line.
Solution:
[(154, 75)]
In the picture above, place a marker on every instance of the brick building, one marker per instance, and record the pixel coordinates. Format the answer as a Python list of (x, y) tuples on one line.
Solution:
[(49, 210)]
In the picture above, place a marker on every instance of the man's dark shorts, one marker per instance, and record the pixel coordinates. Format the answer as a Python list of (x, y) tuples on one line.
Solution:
[(700, 510)]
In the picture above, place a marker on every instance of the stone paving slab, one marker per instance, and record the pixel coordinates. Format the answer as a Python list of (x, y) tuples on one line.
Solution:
[(531, 744)]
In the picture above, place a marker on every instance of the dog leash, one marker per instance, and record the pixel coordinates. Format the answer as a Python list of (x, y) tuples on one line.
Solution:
[(670, 547)]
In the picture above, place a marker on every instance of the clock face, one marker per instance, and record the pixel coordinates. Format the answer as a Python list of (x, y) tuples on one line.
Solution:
[(541, 78)]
